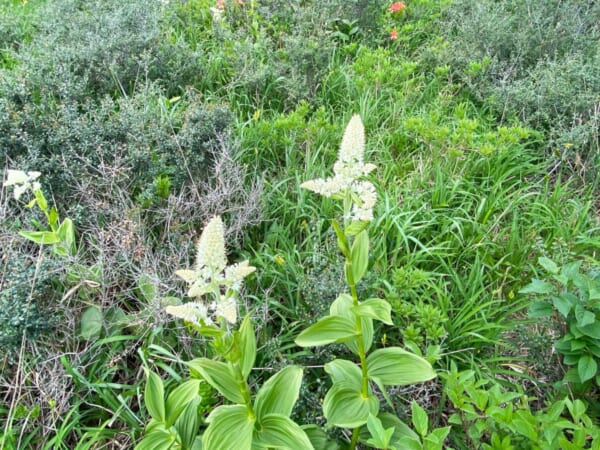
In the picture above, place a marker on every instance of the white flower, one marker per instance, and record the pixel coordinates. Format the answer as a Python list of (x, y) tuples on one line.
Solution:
[(190, 312), (22, 181), (227, 308), (213, 275), (210, 252), (348, 169)]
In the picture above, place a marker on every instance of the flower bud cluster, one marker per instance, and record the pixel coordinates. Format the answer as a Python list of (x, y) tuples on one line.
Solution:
[(348, 169), (212, 275)]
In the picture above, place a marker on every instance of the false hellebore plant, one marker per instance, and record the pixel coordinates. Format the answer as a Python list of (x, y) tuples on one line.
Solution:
[(246, 424), (351, 402)]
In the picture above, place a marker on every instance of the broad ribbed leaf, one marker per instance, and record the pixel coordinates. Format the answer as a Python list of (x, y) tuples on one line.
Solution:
[(342, 306), (319, 439), (188, 423), (279, 394), (327, 330), (277, 431), (230, 427), (179, 398), (345, 407), (375, 308), (247, 345), (156, 440), (395, 366), (154, 396), (342, 371), (41, 237), (220, 376), (359, 255)]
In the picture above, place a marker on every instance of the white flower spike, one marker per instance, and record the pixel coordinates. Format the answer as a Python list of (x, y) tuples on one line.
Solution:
[(22, 181), (348, 169)]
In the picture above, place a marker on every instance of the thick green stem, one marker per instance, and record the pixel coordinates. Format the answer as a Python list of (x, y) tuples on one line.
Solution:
[(244, 389)]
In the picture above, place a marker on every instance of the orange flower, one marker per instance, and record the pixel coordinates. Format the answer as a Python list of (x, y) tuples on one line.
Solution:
[(220, 4), (393, 35), (397, 7)]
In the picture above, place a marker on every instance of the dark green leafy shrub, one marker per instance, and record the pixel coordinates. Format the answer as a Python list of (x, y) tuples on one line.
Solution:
[(25, 299), (538, 60)]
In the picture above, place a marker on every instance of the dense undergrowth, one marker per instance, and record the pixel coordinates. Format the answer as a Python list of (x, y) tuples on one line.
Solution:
[(148, 118)]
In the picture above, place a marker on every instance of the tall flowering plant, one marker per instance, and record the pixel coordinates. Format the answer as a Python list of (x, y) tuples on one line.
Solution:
[(351, 402), (259, 421)]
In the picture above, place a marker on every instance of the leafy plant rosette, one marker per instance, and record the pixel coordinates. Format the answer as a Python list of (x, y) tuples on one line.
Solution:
[(575, 296), (351, 402), (259, 422)]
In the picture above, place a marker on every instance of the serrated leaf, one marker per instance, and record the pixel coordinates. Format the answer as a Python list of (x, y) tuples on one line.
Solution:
[(395, 366), (277, 431), (540, 309), (147, 288), (359, 255), (154, 396), (279, 394), (345, 407), (537, 287), (586, 368), (375, 308), (219, 375), (342, 371), (230, 427), (549, 265), (91, 323), (179, 398), (247, 345), (327, 330), (562, 304)]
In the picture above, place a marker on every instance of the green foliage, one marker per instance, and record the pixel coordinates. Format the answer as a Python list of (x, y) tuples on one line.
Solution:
[(493, 417), (26, 294), (536, 60), (575, 296)]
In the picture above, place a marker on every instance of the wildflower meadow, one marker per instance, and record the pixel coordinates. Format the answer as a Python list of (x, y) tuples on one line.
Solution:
[(301, 225)]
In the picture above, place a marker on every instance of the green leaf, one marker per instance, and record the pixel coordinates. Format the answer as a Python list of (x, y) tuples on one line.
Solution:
[(277, 431), (395, 366), (41, 237), (540, 309), (230, 427), (154, 396), (41, 199), (319, 439), (359, 255), (380, 437), (147, 288), (179, 398), (419, 418), (279, 394), (219, 375), (327, 330), (592, 330), (345, 407), (247, 343), (342, 371), (537, 287), (342, 240), (586, 368), (583, 316), (66, 234), (356, 227), (375, 308), (549, 265), (91, 323), (402, 432), (562, 304), (188, 423), (156, 440), (342, 306)]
